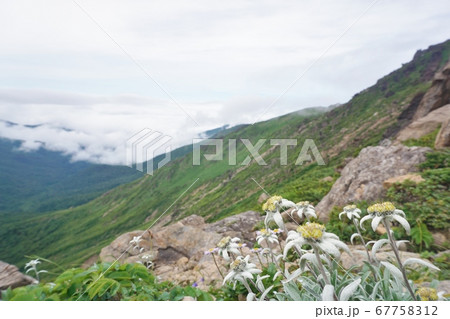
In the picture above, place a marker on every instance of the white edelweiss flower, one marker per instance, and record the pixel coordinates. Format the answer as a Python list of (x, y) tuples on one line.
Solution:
[(385, 211), (136, 240), (211, 251), (147, 260), (228, 245), (256, 250), (314, 234), (241, 270), (266, 234), (147, 257), (351, 211), (272, 208), (32, 263), (304, 209)]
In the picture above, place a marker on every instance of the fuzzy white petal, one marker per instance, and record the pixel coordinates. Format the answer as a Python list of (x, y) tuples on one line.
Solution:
[(367, 217), (393, 270), (400, 212), (402, 222), (377, 246), (329, 248), (420, 262), (278, 220), (353, 237), (375, 221)]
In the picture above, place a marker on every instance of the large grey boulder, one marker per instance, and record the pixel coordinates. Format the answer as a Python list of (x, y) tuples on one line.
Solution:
[(11, 277), (363, 177)]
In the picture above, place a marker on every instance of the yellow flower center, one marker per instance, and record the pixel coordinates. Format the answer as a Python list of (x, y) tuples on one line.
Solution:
[(385, 208), (264, 232), (303, 204), (349, 208), (427, 294), (311, 231), (238, 265), (271, 203), (224, 242)]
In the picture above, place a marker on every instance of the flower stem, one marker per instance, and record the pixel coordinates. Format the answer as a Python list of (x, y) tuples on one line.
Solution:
[(397, 255), (320, 266), (270, 250), (362, 240), (322, 270), (245, 283), (215, 262), (281, 248), (260, 262)]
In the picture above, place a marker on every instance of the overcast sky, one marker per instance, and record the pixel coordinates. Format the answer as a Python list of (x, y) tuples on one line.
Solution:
[(216, 63)]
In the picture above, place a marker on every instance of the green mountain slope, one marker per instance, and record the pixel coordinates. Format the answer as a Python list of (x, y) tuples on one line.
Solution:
[(43, 180), (219, 189)]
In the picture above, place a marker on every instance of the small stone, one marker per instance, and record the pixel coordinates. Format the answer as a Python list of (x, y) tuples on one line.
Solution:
[(182, 262), (262, 198), (381, 230), (188, 298), (439, 238)]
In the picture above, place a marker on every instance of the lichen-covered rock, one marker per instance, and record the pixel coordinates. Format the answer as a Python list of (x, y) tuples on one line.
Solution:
[(363, 177), (240, 225), (10, 276), (178, 249)]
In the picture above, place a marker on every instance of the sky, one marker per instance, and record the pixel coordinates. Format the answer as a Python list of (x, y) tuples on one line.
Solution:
[(91, 74)]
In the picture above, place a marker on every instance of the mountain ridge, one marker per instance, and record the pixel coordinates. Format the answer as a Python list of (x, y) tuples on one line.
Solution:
[(73, 235)]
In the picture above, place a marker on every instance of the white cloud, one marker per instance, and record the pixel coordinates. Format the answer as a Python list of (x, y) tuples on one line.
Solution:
[(223, 61)]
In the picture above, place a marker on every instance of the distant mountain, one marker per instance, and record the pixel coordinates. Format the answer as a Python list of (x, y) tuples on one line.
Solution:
[(216, 189), (212, 132), (42, 180)]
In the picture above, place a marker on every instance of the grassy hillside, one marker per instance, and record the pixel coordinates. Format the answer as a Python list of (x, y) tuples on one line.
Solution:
[(71, 236)]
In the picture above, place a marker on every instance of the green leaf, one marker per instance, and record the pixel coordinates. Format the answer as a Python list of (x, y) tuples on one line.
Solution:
[(119, 275), (102, 286)]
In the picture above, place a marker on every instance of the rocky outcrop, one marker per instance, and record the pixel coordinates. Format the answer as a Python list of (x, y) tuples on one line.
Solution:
[(437, 95), (426, 124), (443, 137), (363, 177), (177, 250), (11, 277), (432, 112)]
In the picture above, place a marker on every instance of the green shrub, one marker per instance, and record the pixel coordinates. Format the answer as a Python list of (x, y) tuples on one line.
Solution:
[(105, 282)]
